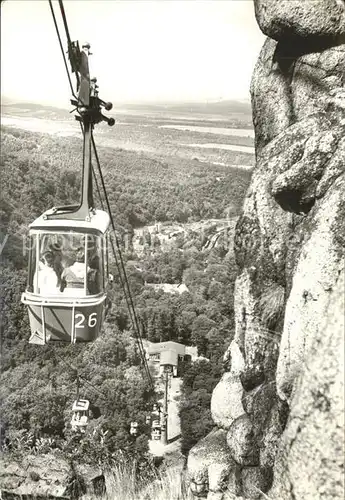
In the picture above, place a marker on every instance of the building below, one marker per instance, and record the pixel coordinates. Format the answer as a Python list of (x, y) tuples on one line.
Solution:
[(169, 288), (169, 356)]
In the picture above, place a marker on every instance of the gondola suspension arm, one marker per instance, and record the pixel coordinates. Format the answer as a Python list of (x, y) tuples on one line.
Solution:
[(88, 106)]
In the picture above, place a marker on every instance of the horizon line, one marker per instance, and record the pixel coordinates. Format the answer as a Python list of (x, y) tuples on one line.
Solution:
[(161, 102)]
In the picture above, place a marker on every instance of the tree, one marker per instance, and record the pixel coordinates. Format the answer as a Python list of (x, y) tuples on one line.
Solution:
[(199, 380), (200, 328), (38, 383)]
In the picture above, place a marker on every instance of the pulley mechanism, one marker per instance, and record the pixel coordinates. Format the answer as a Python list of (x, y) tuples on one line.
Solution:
[(89, 104), (89, 112)]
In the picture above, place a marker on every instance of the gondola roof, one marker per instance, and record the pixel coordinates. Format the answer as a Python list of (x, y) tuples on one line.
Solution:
[(99, 220)]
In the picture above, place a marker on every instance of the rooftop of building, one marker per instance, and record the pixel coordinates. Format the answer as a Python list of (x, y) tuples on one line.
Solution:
[(153, 348), (169, 358), (169, 288)]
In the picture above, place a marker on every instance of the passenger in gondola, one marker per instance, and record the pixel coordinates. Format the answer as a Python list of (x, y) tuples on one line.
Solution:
[(73, 277), (46, 278), (94, 276), (56, 250)]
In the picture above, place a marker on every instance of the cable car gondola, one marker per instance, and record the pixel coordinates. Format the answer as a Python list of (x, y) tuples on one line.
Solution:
[(156, 434), (68, 279), (80, 416), (156, 430), (134, 428)]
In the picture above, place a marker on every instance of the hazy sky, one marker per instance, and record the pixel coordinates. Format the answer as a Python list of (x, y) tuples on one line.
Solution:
[(142, 50)]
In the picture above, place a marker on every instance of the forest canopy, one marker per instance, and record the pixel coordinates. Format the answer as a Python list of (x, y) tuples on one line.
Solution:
[(38, 383)]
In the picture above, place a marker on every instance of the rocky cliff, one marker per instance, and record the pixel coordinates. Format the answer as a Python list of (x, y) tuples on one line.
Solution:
[(278, 409), (48, 477)]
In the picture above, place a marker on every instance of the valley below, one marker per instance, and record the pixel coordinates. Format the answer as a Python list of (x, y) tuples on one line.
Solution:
[(176, 178), (214, 139)]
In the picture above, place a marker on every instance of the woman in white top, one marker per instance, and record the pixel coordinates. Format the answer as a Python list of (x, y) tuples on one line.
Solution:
[(47, 279)]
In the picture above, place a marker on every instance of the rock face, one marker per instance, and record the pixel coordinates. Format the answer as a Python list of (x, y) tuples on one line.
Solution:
[(309, 19), (282, 405), (47, 476), (311, 456), (211, 469)]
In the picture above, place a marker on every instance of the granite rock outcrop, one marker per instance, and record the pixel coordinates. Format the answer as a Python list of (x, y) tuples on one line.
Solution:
[(281, 405)]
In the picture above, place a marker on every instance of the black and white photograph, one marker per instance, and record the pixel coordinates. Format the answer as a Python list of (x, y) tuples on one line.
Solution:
[(172, 249)]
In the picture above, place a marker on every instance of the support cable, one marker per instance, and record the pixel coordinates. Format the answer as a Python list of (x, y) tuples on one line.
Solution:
[(135, 321), (81, 377), (69, 41), (94, 175), (62, 51), (120, 264)]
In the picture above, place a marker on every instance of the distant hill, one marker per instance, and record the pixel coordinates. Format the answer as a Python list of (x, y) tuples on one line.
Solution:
[(217, 108), (223, 107), (31, 109), (6, 100), (31, 105)]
